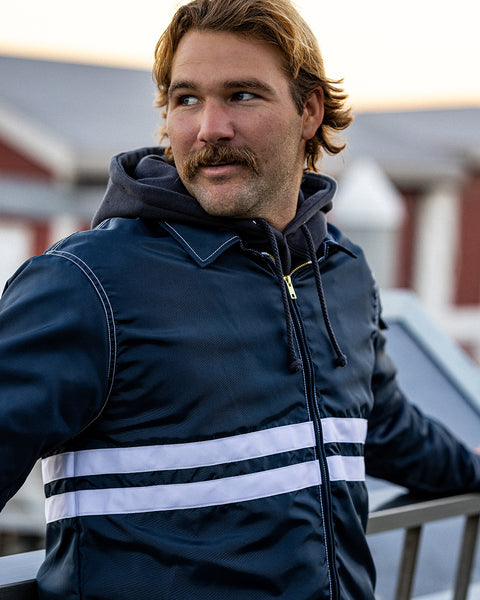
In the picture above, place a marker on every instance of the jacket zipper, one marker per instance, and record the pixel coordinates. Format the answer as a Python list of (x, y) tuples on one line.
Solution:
[(288, 280), (291, 289), (325, 490)]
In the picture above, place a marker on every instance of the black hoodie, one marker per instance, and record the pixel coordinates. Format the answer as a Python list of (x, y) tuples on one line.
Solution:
[(143, 184)]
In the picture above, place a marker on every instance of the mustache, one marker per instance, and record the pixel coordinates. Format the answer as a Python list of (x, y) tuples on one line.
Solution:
[(211, 155)]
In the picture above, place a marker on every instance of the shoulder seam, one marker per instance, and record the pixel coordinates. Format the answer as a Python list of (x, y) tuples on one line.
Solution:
[(108, 312)]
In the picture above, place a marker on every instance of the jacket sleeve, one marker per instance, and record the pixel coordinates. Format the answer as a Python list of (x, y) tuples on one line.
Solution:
[(410, 449), (54, 363)]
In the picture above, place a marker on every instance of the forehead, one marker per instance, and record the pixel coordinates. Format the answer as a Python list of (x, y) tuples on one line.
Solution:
[(212, 54)]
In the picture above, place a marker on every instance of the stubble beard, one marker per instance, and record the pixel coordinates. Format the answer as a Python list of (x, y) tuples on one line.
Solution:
[(256, 194), (223, 198)]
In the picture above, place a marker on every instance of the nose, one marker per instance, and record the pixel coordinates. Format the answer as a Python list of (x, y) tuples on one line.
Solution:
[(215, 123)]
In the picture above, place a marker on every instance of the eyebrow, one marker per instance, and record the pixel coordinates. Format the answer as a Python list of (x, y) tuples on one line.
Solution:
[(180, 85), (244, 84), (248, 84)]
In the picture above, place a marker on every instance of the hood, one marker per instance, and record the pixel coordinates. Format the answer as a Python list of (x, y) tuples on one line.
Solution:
[(143, 184)]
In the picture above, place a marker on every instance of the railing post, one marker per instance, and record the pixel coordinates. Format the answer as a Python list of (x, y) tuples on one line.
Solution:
[(406, 573), (467, 553)]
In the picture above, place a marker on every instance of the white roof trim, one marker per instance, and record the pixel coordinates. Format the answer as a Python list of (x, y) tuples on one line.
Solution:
[(37, 143)]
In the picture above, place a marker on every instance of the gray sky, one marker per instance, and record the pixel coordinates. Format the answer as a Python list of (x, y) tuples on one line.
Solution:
[(414, 52)]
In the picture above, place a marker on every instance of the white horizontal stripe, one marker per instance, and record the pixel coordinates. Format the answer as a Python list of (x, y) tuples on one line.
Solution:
[(179, 456), (346, 468), (344, 430), (183, 495)]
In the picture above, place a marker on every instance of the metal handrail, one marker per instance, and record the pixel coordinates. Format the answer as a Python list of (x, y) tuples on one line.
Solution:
[(411, 514), (17, 575), (403, 512)]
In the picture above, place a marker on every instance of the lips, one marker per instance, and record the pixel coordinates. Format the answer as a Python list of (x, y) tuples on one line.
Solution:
[(218, 168)]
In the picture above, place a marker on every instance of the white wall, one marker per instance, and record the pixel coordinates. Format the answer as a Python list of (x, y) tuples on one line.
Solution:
[(16, 241)]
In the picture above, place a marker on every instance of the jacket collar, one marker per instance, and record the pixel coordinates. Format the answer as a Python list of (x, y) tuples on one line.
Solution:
[(203, 245), (206, 245)]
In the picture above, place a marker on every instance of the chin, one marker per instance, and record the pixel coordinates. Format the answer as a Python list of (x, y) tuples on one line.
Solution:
[(221, 204)]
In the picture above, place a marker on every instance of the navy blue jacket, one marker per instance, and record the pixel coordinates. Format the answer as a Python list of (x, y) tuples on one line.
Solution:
[(203, 435)]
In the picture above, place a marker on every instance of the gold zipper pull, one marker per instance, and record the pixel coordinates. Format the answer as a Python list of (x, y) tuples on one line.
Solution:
[(291, 289)]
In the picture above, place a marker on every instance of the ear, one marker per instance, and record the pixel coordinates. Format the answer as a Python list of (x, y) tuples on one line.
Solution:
[(313, 113)]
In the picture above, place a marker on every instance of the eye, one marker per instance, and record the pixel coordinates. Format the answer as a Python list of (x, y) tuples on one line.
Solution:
[(242, 96), (187, 100)]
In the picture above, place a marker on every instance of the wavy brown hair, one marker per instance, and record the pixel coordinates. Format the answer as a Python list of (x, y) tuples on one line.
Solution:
[(276, 22)]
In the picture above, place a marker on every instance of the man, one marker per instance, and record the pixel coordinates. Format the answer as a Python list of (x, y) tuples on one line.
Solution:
[(204, 372)]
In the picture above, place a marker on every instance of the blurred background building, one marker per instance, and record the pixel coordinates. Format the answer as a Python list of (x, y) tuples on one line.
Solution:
[(409, 193)]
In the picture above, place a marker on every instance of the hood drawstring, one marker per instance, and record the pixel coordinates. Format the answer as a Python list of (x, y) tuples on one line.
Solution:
[(341, 359), (295, 362)]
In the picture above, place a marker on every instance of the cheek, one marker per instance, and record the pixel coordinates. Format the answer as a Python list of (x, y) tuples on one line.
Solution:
[(272, 140), (179, 135)]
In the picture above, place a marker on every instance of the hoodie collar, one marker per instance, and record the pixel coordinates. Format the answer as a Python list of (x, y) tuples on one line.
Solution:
[(144, 185)]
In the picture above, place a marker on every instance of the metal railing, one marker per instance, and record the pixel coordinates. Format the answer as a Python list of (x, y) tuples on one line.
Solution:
[(407, 513), (17, 572), (17, 575)]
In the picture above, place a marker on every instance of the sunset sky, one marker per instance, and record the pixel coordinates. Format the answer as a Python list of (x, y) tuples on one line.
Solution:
[(410, 53)]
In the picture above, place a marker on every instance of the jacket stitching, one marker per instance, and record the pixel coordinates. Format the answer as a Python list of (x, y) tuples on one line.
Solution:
[(107, 309), (103, 224), (190, 247)]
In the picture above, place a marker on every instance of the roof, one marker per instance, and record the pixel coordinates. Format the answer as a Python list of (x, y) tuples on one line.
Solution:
[(74, 117), (414, 146)]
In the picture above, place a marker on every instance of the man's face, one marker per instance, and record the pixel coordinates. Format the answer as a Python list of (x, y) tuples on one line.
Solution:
[(236, 136)]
